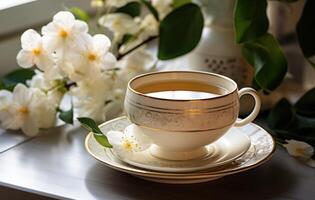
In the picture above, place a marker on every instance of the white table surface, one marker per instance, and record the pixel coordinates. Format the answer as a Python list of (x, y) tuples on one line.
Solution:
[(56, 165)]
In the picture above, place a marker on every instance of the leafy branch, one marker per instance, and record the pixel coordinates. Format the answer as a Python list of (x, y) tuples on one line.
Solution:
[(294, 121)]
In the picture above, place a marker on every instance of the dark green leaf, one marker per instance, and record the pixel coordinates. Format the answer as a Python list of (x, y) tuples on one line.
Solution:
[(80, 14), (62, 89), (180, 31), (179, 3), (18, 76), (306, 29), (281, 115), (132, 9), (306, 104), (250, 19), (66, 116), (151, 9), (270, 64), (125, 38), (91, 125), (10, 80), (2, 86)]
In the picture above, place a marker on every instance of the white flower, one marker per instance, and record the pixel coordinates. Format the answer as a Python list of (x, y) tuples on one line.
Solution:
[(51, 88), (130, 141), (39, 81), (120, 24), (21, 113), (163, 7), (46, 104), (89, 97), (150, 25), (135, 63), (32, 52), (96, 53), (28, 109), (64, 32), (92, 60), (148, 28), (5, 100), (117, 3), (299, 149)]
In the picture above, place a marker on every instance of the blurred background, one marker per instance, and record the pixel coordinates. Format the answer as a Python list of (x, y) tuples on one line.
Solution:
[(16, 16)]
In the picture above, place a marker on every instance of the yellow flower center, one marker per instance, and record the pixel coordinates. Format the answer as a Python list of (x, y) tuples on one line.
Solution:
[(300, 151), (127, 145), (23, 110), (92, 57), (63, 33), (37, 52)]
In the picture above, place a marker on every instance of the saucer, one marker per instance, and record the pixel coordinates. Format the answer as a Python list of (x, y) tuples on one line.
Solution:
[(261, 149), (229, 147)]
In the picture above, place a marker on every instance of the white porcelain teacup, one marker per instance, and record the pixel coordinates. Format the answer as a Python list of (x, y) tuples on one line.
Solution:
[(183, 111)]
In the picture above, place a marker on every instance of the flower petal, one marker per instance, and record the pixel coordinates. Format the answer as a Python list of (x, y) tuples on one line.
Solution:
[(30, 39), (64, 19), (30, 126), (10, 120), (143, 142), (5, 99), (22, 95), (299, 149), (44, 62), (25, 59), (109, 61), (51, 43), (80, 27), (101, 43), (311, 163), (50, 29), (115, 137)]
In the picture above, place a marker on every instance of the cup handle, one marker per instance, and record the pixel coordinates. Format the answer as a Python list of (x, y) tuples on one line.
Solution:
[(254, 113)]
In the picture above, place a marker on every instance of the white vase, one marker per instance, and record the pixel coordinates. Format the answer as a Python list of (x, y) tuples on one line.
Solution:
[(217, 50)]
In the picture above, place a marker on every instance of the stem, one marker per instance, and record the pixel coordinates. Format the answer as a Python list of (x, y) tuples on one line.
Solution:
[(120, 56), (70, 84)]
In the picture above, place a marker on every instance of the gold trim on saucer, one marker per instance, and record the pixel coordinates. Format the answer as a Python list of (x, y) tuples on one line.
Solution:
[(261, 150)]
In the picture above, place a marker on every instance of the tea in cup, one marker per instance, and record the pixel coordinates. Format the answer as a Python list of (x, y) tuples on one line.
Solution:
[(183, 111)]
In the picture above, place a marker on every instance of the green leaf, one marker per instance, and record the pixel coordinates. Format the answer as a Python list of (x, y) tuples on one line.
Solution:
[(2, 86), (179, 3), (281, 115), (306, 29), (125, 38), (151, 9), (66, 116), (250, 19), (270, 64), (132, 9), (180, 31), (80, 14), (91, 125), (306, 104), (10, 80)]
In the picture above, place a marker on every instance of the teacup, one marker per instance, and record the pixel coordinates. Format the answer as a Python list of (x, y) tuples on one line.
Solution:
[(183, 111)]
